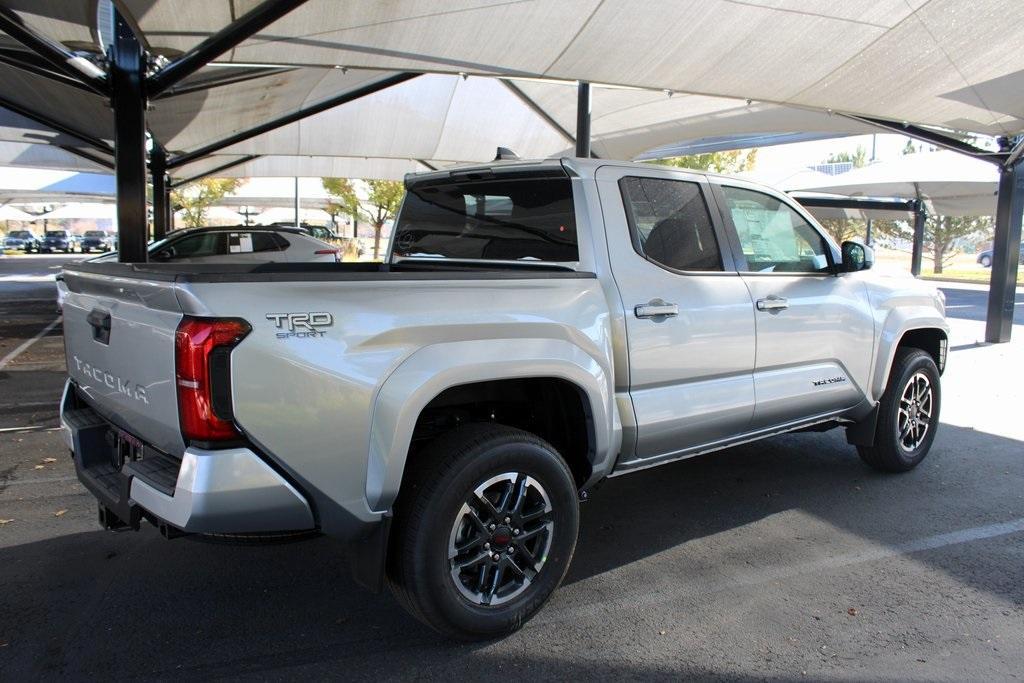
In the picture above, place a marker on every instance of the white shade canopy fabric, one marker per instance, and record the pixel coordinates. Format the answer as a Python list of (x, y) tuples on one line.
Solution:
[(12, 213), (939, 62), (439, 120), (83, 211), (45, 185), (664, 71), (950, 183)]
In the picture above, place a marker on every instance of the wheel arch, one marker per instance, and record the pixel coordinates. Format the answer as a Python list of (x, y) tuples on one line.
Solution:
[(428, 374), (931, 337)]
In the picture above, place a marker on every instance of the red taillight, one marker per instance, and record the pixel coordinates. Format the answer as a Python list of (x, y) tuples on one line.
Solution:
[(196, 344), (322, 252)]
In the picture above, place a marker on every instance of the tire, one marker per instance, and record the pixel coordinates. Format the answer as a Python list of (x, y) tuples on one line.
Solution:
[(986, 261), (900, 443), (431, 517)]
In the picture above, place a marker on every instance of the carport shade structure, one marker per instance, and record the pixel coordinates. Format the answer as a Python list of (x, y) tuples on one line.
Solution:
[(802, 56), (945, 183)]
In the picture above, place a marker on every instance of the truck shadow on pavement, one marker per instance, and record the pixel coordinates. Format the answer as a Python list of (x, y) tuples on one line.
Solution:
[(104, 605)]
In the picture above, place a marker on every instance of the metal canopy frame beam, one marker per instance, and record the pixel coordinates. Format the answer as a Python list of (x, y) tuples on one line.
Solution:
[(532, 105), (217, 169), (209, 83), (864, 204), (220, 42), (330, 103), (99, 161), (91, 141), (60, 57), (32, 63), (931, 136)]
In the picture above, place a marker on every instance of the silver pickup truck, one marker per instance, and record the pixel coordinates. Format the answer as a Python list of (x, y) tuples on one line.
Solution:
[(536, 328)]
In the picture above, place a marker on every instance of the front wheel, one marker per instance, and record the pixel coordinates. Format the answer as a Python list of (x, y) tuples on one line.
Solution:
[(486, 525), (986, 261), (908, 413)]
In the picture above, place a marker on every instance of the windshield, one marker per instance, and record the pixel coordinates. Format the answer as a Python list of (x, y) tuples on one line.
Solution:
[(95, 233), (524, 219), (57, 233), (20, 234)]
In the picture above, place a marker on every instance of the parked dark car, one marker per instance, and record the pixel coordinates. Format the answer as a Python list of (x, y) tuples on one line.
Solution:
[(57, 240), (96, 240), (22, 240), (985, 257)]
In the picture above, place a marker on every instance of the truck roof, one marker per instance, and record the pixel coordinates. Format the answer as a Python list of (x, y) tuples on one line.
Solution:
[(578, 166)]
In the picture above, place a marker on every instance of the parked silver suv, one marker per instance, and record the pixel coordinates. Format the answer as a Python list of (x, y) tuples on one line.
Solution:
[(537, 327)]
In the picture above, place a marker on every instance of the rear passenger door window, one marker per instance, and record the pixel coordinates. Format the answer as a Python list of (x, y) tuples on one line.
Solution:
[(670, 224), (194, 247), (773, 237)]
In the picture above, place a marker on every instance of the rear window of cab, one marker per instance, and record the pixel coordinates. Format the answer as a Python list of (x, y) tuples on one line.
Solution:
[(522, 219)]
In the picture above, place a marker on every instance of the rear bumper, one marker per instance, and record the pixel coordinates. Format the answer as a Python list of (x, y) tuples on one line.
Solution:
[(229, 491)]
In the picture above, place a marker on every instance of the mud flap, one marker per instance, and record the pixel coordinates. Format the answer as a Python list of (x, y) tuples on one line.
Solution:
[(368, 555), (862, 433)]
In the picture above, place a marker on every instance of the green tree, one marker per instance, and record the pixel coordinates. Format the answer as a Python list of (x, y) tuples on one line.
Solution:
[(941, 234), (384, 199), (859, 158), (730, 161), (195, 198), (343, 199), (843, 229)]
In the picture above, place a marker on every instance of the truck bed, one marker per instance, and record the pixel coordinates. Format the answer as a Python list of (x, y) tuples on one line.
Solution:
[(293, 272)]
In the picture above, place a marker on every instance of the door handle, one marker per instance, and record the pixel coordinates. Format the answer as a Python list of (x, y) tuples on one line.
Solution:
[(772, 303), (656, 308)]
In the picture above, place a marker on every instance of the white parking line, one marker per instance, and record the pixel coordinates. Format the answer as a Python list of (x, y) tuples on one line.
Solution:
[(673, 589), (27, 343)]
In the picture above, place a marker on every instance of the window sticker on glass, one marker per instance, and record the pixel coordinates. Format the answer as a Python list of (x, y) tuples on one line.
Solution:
[(239, 243)]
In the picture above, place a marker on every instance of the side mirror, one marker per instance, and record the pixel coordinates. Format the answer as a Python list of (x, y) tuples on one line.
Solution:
[(856, 256), (164, 254)]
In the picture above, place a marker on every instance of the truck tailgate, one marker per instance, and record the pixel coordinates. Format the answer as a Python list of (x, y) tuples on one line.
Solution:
[(119, 343)]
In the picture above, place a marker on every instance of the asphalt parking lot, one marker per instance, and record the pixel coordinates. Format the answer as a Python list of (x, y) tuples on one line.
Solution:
[(786, 559)]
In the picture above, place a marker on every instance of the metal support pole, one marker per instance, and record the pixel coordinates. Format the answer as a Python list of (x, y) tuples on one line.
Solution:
[(126, 73), (161, 192), (583, 119), (920, 216), (867, 232), (1005, 254)]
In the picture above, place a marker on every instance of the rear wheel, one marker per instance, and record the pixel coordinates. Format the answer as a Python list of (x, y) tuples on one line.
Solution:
[(986, 261), (908, 413), (486, 526)]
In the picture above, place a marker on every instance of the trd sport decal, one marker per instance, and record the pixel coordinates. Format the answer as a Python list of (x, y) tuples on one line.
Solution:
[(301, 324), (828, 380)]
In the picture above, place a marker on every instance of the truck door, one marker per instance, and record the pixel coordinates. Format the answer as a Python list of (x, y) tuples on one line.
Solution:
[(689, 318), (814, 329)]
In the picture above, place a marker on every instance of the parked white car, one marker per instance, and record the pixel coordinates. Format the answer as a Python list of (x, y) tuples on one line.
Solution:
[(251, 245)]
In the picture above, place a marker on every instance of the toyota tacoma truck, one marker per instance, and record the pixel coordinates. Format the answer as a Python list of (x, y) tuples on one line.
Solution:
[(536, 328)]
